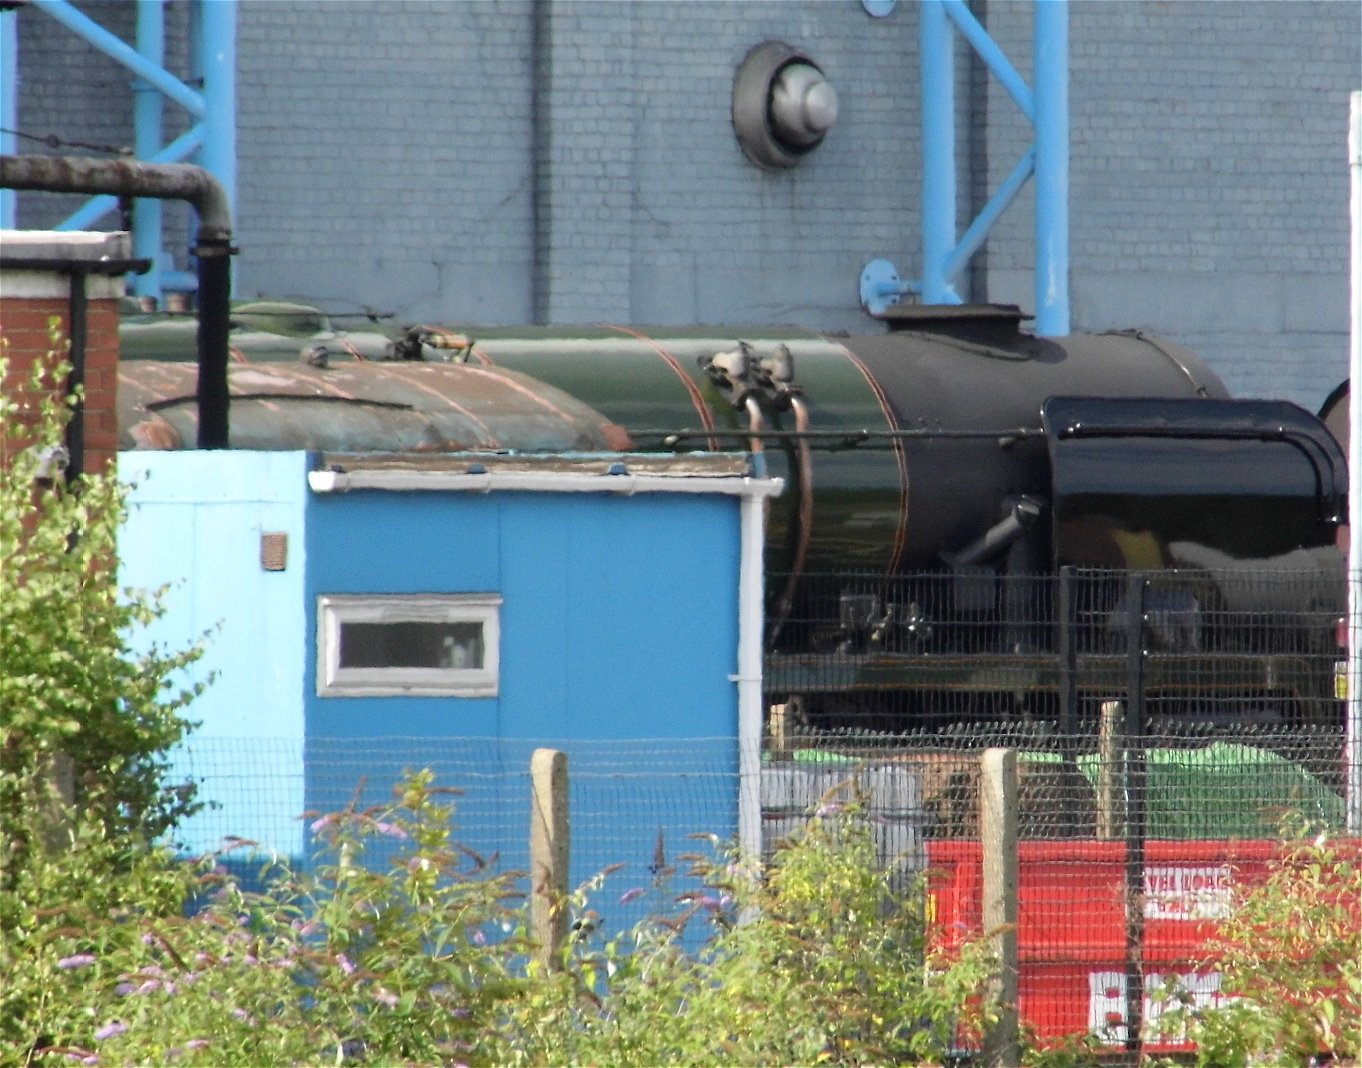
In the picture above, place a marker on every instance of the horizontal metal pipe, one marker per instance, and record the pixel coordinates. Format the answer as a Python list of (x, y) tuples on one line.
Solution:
[(163, 181), (676, 436), (181, 148)]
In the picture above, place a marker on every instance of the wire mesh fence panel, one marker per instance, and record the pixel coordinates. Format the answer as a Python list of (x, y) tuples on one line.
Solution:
[(935, 651), (1170, 728), (1167, 727), (637, 806)]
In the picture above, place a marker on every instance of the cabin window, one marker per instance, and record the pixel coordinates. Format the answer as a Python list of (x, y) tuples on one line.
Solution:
[(438, 645)]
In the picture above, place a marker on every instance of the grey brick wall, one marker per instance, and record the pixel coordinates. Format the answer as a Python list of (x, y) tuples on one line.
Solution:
[(1209, 180), (385, 156), (655, 214), (502, 161)]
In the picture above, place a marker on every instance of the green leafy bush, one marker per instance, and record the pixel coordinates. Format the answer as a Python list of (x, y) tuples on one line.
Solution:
[(344, 965), (1290, 960), (429, 962), (73, 694), (814, 960)]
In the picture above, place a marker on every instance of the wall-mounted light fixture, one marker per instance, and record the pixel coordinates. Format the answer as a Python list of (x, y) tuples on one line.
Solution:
[(783, 106)]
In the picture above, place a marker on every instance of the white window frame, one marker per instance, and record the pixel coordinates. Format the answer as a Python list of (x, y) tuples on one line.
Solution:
[(334, 610)]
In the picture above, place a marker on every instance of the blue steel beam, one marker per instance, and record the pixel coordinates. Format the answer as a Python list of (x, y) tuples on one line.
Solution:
[(973, 31), (944, 255), (978, 230), (938, 151), (9, 104), (115, 48), (215, 63), (148, 108), (1052, 167)]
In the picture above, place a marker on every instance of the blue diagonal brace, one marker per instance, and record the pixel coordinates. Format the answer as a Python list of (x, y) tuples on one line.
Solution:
[(944, 255), (177, 151), (117, 49)]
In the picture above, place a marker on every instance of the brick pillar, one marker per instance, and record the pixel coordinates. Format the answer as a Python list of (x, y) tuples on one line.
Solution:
[(37, 269)]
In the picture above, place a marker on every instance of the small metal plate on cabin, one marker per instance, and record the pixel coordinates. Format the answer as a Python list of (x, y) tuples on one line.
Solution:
[(273, 551)]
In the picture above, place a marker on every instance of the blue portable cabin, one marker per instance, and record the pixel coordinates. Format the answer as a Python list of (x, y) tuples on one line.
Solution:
[(490, 601)]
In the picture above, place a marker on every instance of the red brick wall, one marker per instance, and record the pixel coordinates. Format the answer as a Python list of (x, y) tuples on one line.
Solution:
[(25, 325)]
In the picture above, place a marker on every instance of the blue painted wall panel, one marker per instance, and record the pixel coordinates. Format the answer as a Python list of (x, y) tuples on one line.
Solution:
[(664, 675), (403, 543), (619, 617), (194, 522), (618, 632), (618, 621)]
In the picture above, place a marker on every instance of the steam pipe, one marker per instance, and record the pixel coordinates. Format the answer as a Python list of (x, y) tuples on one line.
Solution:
[(213, 248), (1021, 517), (804, 521), (753, 407)]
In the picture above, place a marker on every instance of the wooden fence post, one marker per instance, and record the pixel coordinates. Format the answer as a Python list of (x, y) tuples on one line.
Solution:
[(998, 839), (550, 849), (1109, 820)]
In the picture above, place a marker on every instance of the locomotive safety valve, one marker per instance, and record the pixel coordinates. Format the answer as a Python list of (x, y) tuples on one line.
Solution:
[(446, 341)]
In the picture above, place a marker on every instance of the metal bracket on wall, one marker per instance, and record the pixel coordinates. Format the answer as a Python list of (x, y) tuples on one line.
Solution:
[(881, 287)]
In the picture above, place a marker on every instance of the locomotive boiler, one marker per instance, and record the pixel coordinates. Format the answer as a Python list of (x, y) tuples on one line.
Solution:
[(959, 490)]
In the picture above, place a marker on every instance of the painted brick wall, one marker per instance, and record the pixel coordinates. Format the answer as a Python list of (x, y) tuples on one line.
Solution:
[(461, 161), (385, 156)]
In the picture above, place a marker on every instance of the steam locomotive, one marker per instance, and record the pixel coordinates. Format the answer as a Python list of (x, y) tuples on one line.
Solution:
[(965, 500)]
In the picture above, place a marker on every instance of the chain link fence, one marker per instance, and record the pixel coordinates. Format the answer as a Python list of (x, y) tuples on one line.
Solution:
[(635, 804), (1167, 727)]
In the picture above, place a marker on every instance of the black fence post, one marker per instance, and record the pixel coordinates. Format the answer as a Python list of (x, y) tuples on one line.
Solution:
[(1133, 769), (1067, 617)]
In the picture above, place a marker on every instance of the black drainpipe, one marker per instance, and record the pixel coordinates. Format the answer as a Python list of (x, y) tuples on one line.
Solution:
[(80, 334), (213, 247)]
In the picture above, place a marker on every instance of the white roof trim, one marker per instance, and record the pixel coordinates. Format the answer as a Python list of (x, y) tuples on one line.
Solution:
[(534, 482)]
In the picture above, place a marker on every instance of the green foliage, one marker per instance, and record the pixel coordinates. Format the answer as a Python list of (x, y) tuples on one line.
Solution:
[(827, 966), (1290, 959), (71, 688), (347, 964), (428, 962)]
